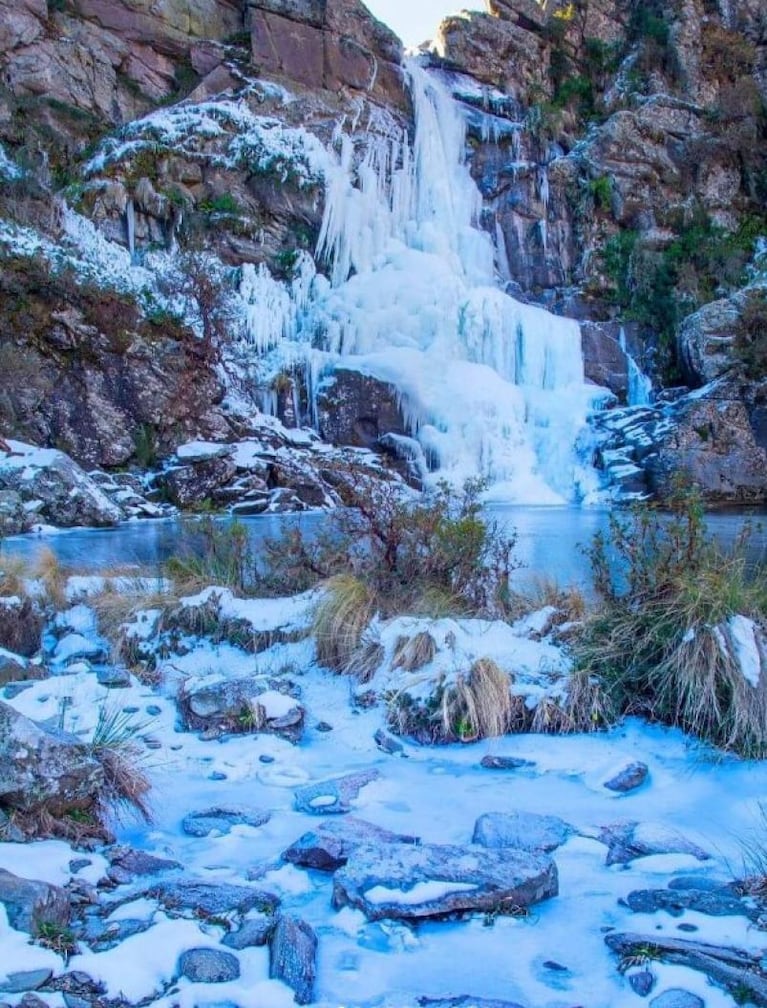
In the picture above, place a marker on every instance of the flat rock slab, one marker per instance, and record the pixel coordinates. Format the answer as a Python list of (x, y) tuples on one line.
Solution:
[(465, 1001), (221, 820), (293, 957), (717, 903), (25, 980), (628, 778), (676, 997), (29, 903), (627, 841), (330, 845), (207, 965), (333, 797), (504, 763), (132, 863), (211, 900), (413, 883), (526, 831)]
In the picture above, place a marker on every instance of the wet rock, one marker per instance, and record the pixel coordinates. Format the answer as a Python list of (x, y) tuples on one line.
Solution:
[(30, 904), (333, 797), (642, 982), (404, 882), (329, 846), (39, 764), (522, 830), (387, 744), (718, 903), (26, 980), (628, 778), (629, 840), (254, 932), (138, 863), (293, 957), (504, 763), (211, 900), (676, 997), (207, 965), (221, 820)]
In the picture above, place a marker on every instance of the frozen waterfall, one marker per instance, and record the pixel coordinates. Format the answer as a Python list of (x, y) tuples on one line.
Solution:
[(488, 385)]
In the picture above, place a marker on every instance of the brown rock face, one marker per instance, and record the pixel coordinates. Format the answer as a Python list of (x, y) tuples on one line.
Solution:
[(330, 44)]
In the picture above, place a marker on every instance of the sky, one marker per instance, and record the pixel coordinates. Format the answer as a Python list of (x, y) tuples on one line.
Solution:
[(416, 20)]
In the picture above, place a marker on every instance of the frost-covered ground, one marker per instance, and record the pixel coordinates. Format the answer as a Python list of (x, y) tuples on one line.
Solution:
[(554, 958)]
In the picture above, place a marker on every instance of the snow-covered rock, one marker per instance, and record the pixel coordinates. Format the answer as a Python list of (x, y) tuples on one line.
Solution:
[(405, 882)]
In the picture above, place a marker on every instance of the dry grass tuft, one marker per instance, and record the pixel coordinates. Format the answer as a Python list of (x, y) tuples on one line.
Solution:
[(54, 578), (343, 614), (412, 653), (479, 705), (115, 745), (13, 572), (539, 593)]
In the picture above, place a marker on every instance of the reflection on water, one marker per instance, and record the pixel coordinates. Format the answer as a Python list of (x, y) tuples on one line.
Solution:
[(550, 541)]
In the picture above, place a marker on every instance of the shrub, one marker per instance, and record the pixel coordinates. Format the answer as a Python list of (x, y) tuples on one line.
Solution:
[(126, 785), (660, 643), (751, 339)]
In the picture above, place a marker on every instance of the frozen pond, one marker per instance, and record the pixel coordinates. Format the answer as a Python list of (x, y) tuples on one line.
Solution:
[(550, 540)]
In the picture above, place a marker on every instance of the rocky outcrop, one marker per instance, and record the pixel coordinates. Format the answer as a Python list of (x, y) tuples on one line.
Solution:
[(331, 44)]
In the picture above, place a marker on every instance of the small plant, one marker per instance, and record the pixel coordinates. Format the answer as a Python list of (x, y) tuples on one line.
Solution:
[(341, 617), (58, 938), (213, 553)]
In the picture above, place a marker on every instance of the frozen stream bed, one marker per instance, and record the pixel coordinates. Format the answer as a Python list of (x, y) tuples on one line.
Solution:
[(692, 803)]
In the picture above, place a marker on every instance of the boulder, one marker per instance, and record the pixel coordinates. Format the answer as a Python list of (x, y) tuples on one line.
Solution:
[(40, 765), (677, 997), (357, 409), (21, 626), (208, 965), (705, 340), (329, 846), (333, 797), (30, 904), (198, 481), (411, 883), (522, 830), (721, 902), (60, 492), (293, 957), (253, 932)]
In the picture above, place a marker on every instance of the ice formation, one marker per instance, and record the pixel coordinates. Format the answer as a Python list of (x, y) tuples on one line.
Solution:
[(487, 384)]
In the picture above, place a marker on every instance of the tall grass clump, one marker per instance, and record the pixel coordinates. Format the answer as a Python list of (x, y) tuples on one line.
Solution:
[(116, 747), (212, 553), (663, 640)]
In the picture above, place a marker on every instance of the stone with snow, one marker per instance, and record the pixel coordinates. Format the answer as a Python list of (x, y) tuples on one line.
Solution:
[(627, 841), (411, 883), (293, 957), (329, 847), (253, 932), (333, 797), (504, 762), (210, 899), (208, 965), (62, 493), (40, 765), (526, 831), (25, 980), (219, 821), (465, 1001), (199, 451), (247, 704)]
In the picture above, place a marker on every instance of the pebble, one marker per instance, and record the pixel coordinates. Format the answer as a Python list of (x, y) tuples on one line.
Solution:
[(217, 775), (265, 758)]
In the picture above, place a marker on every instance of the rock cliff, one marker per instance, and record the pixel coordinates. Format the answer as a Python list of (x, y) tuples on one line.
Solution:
[(618, 147)]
